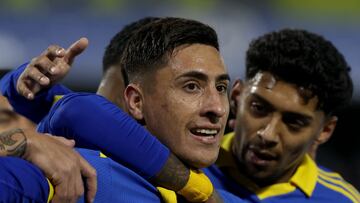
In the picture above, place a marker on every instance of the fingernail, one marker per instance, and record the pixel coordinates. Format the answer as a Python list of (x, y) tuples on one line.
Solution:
[(52, 70), (43, 79), (29, 95), (60, 51)]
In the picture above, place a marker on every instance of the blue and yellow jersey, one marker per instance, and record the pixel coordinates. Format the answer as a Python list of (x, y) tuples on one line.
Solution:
[(96, 123), (310, 183), (36, 109), (92, 121), (20, 181), (117, 183)]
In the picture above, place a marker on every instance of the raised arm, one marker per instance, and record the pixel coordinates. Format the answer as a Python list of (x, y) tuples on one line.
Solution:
[(96, 123)]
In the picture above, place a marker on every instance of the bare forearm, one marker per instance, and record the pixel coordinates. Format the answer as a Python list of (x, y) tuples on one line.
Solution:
[(174, 175), (13, 142)]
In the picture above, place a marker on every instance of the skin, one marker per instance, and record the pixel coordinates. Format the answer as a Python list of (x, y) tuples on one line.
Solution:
[(112, 86), (212, 113), (55, 156), (275, 128), (187, 94)]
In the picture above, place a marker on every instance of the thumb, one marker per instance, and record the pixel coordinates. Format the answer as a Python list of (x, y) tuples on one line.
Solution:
[(75, 49)]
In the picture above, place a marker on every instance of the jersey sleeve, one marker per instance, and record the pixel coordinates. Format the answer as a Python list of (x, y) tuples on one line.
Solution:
[(35, 109), (96, 123), (20, 181)]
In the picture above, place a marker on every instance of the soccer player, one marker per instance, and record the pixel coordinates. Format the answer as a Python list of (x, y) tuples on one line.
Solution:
[(296, 82), (207, 128), (23, 182)]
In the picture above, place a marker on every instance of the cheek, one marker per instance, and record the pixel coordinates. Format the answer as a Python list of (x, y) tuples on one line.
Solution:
[(247, 125), (296, 145)]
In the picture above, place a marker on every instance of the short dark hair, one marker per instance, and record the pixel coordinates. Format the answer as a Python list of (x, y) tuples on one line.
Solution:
[(306, 60), (114, 50), (153, 44)]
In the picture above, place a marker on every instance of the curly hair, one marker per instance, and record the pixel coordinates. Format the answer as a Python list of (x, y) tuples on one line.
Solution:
[(306, 60)]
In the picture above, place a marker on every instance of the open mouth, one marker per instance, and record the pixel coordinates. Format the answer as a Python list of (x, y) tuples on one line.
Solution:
[(204, 132), (261, 158), (205, 135)]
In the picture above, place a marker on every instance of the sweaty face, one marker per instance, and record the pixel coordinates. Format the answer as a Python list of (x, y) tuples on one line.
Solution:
[(274, 129), (186, 104)]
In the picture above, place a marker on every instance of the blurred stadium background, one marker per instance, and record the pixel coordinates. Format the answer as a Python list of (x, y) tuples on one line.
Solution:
[(28, 26)]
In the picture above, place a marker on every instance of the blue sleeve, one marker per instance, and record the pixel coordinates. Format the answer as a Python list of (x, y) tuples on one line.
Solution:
[(21, 182), (36, 109), (96, 123)]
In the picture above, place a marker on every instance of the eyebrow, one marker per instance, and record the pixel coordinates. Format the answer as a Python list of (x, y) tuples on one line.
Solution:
[(204, 77), (294, 114)]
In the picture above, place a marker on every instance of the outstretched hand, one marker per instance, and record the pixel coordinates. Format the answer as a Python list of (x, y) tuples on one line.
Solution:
[(48, 68)]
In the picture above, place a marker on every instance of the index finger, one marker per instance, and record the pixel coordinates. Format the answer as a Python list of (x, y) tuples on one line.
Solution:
[(75, 49), (89, 174)]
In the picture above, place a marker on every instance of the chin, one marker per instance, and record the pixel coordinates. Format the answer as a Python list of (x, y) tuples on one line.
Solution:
[(201, 162)]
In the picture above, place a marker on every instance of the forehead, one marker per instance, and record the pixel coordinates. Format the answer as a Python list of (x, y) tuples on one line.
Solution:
[(203, 58), (280, 94)]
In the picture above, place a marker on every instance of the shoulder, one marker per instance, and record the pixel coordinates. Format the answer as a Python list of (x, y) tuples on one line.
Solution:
[(20, 181), (117, 183), (332, 185)]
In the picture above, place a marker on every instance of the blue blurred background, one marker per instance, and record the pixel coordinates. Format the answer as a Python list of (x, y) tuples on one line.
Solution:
[(27, 27)]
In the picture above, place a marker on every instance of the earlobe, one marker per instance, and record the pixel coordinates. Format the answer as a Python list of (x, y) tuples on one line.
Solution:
[(134, 101), (235, 95), (328, 130), (324, 135)]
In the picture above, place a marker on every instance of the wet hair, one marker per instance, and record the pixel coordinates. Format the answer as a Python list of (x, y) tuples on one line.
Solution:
[(114, 50), (153, 45), (307, 60)]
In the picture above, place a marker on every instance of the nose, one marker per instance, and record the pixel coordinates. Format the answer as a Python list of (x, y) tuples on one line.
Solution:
[(269, 134), (215, 105)]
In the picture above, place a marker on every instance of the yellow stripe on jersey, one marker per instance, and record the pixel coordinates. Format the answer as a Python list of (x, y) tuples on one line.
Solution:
[(168, 196), (330, 174), (57, 98), (341, 183), (51, 191), (338, 180), (338, 189), (102, 155)]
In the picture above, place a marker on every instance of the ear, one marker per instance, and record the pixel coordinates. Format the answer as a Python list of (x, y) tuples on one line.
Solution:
[(235, 96), (324, 135), (327, 130), (134, 101)]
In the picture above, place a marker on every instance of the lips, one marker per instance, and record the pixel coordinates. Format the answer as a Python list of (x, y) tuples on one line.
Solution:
[(205, 135), (261, 157)]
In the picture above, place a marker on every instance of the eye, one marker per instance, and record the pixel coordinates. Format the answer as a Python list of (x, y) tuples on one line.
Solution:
[(191, 87), (259, 108), (295, 123), (222, 88)]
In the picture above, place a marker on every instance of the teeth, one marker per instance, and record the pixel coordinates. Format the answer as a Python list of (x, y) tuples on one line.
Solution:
[(207, 131)]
